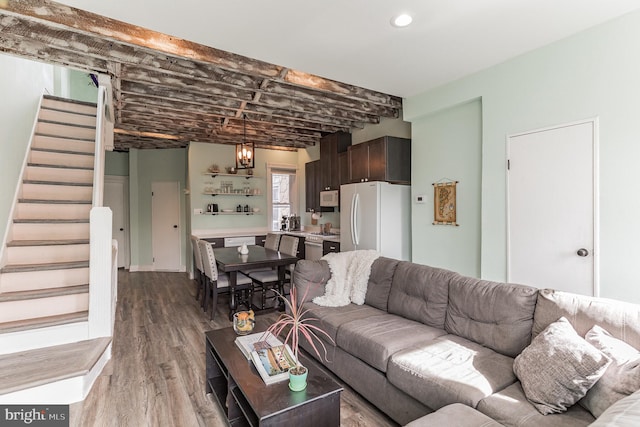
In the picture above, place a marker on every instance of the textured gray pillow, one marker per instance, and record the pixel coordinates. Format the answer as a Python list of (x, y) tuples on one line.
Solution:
[(620, 379), (558, 368), (380, 279)]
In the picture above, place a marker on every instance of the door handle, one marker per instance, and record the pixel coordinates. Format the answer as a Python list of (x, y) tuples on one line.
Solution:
[(122, 229), (582, 252), (175, 226)]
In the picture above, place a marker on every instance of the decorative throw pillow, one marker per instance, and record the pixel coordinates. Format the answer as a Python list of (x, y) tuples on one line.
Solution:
[(624, 413), (621, 378), (558, 368)]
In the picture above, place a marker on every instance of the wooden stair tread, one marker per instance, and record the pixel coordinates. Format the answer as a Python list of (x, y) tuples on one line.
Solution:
[(59, 242), (19, 371), (62, 110), (70, 101), (68, 183), (51, 221), (44, 322), (54, 150), (45, 165), (43, 293), (19, 268), (71, 125), (56, 202)]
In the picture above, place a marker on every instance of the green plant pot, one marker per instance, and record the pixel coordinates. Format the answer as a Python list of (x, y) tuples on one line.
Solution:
[(298, 382)]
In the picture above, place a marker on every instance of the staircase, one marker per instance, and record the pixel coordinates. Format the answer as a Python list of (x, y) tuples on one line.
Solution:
[(44, 279)]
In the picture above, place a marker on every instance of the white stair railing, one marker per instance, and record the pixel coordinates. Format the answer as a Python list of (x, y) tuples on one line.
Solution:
[(102, 261)]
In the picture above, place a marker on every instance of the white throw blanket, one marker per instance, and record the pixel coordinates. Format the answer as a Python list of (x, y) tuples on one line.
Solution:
[(349, 278)]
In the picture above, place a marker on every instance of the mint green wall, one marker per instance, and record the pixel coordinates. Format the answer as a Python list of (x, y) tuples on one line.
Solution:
[(447, 147), (595, 73), (81, 87), (116, 163), (203, 155), (22, 84), (145, 167)]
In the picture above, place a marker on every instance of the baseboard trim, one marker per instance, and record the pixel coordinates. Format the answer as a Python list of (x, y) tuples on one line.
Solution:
[(43, 337), (135, 268)]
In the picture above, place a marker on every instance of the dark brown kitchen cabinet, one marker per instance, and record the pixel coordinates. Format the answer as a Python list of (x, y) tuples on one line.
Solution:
[(312, 186), (382, 159), (330, 147), (343, 167)]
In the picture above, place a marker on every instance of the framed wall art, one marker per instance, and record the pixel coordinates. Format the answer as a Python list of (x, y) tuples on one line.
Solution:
[(444, 203)]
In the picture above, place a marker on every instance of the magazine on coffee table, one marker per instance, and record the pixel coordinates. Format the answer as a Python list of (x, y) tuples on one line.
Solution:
[(273, 363), (257, 341)]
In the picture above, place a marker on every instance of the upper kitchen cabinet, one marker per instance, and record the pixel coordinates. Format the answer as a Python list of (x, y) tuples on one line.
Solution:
[(330, 147), (312, 187), (343, 167), (382, 159)]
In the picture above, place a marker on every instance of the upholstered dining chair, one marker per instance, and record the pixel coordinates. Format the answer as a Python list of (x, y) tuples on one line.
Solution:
[(272, 241), (268, 279), (217, 283), (198, 271)]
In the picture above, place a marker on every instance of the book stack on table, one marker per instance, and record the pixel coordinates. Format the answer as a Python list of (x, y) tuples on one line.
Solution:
[(271, 357)]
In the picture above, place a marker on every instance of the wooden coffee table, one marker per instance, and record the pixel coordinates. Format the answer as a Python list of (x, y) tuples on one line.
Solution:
[(247, 401)]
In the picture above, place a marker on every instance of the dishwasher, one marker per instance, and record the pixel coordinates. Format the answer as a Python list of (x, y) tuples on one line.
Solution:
[(313, 247)]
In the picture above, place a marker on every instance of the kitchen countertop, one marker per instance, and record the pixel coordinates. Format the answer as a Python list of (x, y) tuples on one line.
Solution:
[(204, 234)]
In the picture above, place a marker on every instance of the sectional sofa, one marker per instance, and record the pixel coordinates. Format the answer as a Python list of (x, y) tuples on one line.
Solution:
[(428, 339)]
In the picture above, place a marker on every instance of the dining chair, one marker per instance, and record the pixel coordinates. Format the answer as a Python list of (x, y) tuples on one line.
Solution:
[(271, 241), (266, 280), (217, 283), (198, 270)]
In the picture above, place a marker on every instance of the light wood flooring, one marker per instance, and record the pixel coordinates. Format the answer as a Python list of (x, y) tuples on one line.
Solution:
[(157, 372)]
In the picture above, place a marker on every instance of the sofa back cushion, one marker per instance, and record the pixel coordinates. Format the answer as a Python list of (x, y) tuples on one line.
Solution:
[(419, 292), (382, 271), (496, 315), (310, 277), (621, 320)]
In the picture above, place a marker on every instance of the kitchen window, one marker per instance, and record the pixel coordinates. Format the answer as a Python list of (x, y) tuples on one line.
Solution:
[(283, 193)]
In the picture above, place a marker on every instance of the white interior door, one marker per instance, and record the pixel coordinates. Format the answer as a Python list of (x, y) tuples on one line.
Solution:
[(165, 225), (115, 197), (552, 188)]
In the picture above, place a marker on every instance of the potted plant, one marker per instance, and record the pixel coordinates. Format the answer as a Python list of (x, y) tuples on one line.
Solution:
[(294, 325)]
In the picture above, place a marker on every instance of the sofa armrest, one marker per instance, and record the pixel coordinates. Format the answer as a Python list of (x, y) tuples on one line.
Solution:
[(310, 277)]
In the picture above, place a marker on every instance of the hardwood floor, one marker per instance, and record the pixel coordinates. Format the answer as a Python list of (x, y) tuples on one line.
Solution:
[(156, 374)]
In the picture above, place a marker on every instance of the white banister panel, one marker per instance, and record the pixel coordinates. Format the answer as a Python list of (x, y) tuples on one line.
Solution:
[(101, 271)]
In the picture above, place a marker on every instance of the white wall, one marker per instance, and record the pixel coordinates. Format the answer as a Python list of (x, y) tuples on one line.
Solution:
[(594, 73), (449, 150), (22, 83)]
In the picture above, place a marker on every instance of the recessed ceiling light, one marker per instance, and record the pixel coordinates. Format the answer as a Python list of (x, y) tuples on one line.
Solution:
[(401, 20)]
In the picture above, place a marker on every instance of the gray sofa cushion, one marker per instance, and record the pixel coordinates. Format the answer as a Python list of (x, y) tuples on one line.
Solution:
[(496, 315), (380, 279), (332, 318), (621, 320), (558, 368), (511, 407), (375, 339), (463, 415), (312, 276), (450, 369), (420, 293)]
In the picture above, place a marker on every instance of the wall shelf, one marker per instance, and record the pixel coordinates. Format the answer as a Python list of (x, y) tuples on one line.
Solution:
[(231, 175), (231, 213), (233, 194)]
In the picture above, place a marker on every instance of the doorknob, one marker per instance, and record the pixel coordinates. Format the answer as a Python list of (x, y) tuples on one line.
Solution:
[(122, 229), (175, 226), (582, 252)]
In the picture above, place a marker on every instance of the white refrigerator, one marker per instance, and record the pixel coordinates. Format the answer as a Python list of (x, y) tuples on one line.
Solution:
[(376, 215)]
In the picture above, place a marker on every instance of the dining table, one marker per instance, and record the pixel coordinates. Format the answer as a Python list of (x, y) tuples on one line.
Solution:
[(230, 261)]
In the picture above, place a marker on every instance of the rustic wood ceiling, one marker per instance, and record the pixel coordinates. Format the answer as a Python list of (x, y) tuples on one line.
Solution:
[(169, 92)]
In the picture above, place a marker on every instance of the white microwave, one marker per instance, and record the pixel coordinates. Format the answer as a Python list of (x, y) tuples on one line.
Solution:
[(330, 198)]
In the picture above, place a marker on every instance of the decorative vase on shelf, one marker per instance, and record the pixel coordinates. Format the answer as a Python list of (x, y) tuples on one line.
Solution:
[(244, 249)]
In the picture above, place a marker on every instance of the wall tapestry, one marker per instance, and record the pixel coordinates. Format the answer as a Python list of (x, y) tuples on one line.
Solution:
[(444, 203)]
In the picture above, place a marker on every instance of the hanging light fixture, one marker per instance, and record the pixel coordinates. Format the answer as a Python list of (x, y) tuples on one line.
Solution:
[(245, 151)]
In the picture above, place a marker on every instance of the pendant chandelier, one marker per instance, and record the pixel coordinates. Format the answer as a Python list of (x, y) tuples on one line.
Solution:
[(245, 151)]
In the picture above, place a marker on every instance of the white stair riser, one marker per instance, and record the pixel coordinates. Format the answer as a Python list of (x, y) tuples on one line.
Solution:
[(54, 129), (69, 106), (53, 143), (59, 175), (31, 280), (11, 311), (48, 158), (45, 254), (52, 211), (50, 231), (67, 117), (56, 192)]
